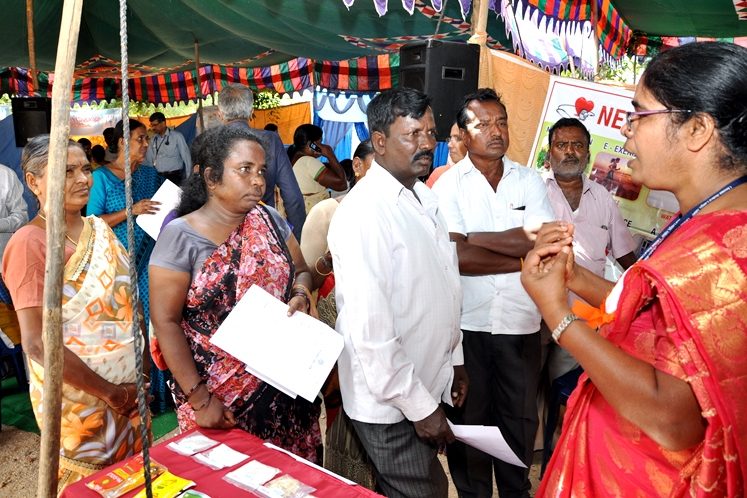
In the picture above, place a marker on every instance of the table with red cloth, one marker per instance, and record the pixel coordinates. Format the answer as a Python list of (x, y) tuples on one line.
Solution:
[(211, 481)]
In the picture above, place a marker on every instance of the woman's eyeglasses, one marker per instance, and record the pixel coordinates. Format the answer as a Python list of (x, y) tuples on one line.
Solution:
[(634, 115)]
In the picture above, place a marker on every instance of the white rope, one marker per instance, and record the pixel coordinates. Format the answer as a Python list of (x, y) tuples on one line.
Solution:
[(138, 343)]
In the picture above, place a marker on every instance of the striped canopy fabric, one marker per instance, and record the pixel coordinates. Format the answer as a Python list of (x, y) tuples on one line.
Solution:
[(363, 74)]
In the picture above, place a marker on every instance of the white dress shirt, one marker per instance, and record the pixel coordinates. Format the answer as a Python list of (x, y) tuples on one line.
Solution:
[(13, 209), (398, 299), (494, 303)]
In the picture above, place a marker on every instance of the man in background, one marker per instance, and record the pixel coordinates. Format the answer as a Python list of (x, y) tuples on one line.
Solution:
[(168, 151), (13, 209), (599, 226), (235, 103)]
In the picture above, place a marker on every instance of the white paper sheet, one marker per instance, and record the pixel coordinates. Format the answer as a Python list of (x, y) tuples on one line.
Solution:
[(168, 195), (294, 353), (488, 439)]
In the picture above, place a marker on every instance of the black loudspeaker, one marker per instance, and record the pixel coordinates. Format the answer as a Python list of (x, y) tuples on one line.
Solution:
[(446, 71), (32, 116)]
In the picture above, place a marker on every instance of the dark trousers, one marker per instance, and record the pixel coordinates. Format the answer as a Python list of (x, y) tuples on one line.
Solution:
[(405, 465), (176, 176), (504, 372)]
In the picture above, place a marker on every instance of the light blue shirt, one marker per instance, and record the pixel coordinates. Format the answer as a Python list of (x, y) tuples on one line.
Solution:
[(169, 153)]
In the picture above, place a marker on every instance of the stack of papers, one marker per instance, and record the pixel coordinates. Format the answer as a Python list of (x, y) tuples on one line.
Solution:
[(293, 353)]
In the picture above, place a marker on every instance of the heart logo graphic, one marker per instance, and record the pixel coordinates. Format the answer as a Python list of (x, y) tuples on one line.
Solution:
[(583, 105)]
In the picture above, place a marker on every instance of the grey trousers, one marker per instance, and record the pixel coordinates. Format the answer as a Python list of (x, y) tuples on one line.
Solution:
[(406, 466)]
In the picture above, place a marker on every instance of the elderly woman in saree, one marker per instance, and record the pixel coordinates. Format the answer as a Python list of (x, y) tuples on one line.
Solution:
[(224, 242), (661, 408), (100, 425)]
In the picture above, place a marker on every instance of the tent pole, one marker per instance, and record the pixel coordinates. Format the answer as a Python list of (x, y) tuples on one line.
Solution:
[(49, 452), (594, 24), (31, 43), (199, 87), (479, 36)]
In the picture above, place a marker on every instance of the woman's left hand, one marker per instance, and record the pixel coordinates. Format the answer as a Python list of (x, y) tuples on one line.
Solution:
[(299, 303)]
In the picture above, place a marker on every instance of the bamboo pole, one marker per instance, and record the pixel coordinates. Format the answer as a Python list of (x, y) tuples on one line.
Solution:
[(199, 87), (479, 21), (32, 44), (52, 313)]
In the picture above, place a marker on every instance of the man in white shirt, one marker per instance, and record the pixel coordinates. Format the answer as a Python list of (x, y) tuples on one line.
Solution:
[(398, 299), (13, 209), (491, 205), (168, 151)]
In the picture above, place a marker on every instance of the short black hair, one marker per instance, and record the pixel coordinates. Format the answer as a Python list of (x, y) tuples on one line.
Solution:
[(98, 153), (568, 123), (395, 103), (481, 95), (158, 117)]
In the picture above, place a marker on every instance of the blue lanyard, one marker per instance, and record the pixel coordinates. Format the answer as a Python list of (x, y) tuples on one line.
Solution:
[(683, 218)]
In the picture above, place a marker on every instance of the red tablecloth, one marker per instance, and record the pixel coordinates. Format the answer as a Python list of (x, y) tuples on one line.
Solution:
[(210, 481)]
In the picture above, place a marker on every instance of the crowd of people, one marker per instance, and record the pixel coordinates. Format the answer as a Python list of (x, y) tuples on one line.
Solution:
[(456, 299)]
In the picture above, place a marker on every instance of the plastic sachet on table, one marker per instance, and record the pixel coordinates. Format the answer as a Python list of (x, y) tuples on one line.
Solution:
[(167, 485), (194, 443), (284, 486), (220, 457), (251, 476)]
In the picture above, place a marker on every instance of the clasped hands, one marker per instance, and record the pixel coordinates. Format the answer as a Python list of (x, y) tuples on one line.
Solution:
[(549, 267)]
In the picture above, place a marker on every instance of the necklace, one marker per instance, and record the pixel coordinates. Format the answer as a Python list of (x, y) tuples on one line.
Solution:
[(682, 218), (41, 215)]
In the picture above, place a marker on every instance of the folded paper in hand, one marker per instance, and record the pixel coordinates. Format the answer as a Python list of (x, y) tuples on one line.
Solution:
[(293, 353), (168, 195), (488, 439)]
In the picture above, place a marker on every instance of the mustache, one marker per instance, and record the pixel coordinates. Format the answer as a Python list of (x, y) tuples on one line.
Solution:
[(423, 153)]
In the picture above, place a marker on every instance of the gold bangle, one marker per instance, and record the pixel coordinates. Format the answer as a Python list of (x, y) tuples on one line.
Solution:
[(127, 398), (205, 404), (316, 266), (302, 287)]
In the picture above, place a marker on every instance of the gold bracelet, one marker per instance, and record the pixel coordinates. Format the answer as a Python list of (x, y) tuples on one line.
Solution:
[(205, 404), (302, 287), (316, 266), (127, 398)]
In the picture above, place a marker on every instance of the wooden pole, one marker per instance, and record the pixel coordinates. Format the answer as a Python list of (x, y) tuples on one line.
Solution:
[(52, 312), (199, 87), (479, 21), (31, 42)]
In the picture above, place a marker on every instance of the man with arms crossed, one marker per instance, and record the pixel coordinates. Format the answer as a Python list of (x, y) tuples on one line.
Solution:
[(398, 299), (491, 204)]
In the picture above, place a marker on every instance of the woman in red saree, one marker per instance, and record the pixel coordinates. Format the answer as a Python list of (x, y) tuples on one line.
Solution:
[(224, 242), (661, 408)]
